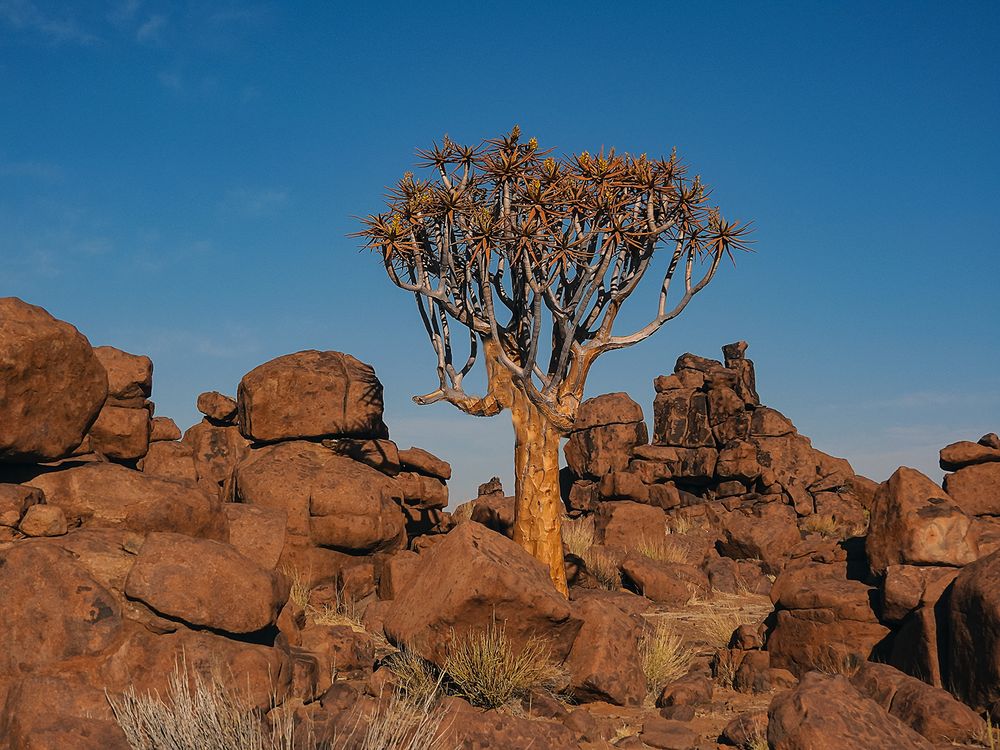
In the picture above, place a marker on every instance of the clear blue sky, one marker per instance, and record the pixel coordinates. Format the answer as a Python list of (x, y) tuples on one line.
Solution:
[(178, 180)]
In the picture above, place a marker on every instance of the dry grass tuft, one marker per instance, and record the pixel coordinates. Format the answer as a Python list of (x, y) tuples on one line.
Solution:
[(718, 627), (825, 525), (399, 724), (662, 549), (299, 592), (604, 568), (988, 735), (196, 713), (343, 611), (757, 740), (680, 525), (578, 536), (417, 679), (664, 656), (484, 668)]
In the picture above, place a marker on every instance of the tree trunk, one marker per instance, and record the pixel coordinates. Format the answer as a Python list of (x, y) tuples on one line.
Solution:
[(538, 504)]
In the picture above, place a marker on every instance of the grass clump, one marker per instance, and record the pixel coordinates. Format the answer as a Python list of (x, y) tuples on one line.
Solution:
[(718, 627), (824, 525), (417, 679), (578, 536), (663, 655), (604, 568), (485, 668), (988, 735), (662, 549), (399, 724), (196, 713)]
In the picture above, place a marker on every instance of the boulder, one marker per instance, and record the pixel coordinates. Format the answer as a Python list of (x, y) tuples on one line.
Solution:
[(61, 611), (52, 385), (976, 489), (973, 649), (15, 499), (170, 460), (100, 495), (769, 535), (219, 408), (329, 500), (130, 376), (822, 621), (667, 734), (680, 418), (311, 394), (966, 453), (256, 532), (205, 583), (121, 434), (659, 581), (472, 729), (422, 491), (474, 577), (425, 462), (914, 522), (626, 524), (607, 428), (931, 711), (379, 454), (825, 712), (604, 663), (43, 520), (494, 512), (216, 450), (163, 428)]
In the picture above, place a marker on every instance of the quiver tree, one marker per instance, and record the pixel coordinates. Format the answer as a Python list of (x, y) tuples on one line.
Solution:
[(532, 257)]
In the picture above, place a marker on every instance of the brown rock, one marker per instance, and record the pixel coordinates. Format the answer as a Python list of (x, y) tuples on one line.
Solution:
[(256, 532), (130, 376), (340, 651), (931, 711), (163, 428), (422, 491), (657, 581), (15, 499), (311, 394), (913, 521), (689, 690), (425, 462), (100, 495), (496, 513), (746, 729), (822, 621), (474, 577), (397, 574), (976, 489), (604, 663), (990, 440), (973, 650), (966, 453), (471, 729), (219, 408), (52, 385), (43, 520), (625, 524), (623, 485), (680, 418), (767, 422), (606, 430), (205, 583), (62, 611), (667, 734), (382, 455), (826, 713), (216, 451), (121, 434), (768, 535), (655, 463), (169, 460)]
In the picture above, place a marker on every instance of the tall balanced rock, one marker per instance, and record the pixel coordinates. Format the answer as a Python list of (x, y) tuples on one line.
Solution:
[(52, 386), (311, 394)]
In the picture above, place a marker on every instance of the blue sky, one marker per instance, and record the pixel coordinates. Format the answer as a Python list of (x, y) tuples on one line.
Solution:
[(178, 179)]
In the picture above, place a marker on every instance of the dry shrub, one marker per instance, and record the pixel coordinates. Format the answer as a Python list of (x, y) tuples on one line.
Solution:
[(988, 735), (417, 679), (662, 549), (603, 567), (833, 660), (824, 525), (484, 668), (578, 536), (680, 524), (664, 656), (757, 739), (196, 714), (298, 592), (342, 611), (398, 724)]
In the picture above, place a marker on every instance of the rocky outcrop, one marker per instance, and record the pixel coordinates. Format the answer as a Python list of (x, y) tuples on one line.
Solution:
[(52, 384)]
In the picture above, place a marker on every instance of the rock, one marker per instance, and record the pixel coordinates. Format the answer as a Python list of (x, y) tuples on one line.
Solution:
[(747, 729), (990, 440), (219, 408), (52, 385), (99, 495), (914, 522), (311, 394), (739, 461), (623, 485), (163, 428), (768, 535), (931, 711), (826, 713), (15, 499), (43, 520), (471, 729), (680, 418), (421, 491), (606, 429), (121, 434), (822, 621), (205, 583), (257, 533), (626, 524), (904, 587), (667, 734), (973, 650), (604, 663), (496, 513), (425, 462), (397, 574), (470, 579), (690, 690), (657, 581), (976, 489), (656, 463), (341, 651), (170, 460), (216, 451), (130, 376), (382, 455), (61, 612), (966, 453), (766, 422)]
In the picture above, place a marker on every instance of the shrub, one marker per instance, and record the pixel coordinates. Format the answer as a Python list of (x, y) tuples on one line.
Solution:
[(484, 667), (664, 656), (398, 724), (662, 548), (416, 678), (603, 567), (578, 536)]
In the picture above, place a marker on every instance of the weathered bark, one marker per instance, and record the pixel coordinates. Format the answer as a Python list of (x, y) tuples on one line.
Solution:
[(538, 504)]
